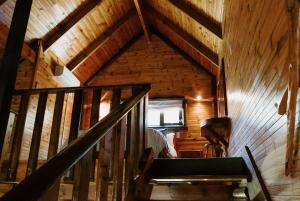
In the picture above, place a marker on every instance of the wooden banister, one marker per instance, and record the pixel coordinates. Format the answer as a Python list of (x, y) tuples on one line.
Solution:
[(258, 174), (48, 174), (74, 89)]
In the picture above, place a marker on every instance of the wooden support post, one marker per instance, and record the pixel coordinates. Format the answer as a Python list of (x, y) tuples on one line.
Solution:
[(130, 142), (116, 98), (37, 133), (119, 161), (83, 169), (53, 193), (95, 110), (139, 9), (17, 139), (75, 120), (104, 158), (11, 57)]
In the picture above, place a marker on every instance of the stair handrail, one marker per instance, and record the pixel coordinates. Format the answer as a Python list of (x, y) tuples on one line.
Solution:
[(35, 185)]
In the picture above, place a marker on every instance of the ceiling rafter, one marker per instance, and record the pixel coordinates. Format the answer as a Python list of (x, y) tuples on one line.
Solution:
[(199, 16), (140, 11), (71, 20), (201, 48), (104, 66), (180, 51), (92, 47), (27, 52)]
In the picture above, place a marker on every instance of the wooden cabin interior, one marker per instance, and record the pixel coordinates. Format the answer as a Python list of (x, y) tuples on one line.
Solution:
[(149, 100)]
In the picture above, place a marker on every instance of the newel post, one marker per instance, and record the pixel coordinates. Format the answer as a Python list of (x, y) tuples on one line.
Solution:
[(11, 57)]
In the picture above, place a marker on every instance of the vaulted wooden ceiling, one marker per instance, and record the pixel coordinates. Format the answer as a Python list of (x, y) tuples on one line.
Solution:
[(86, 35)]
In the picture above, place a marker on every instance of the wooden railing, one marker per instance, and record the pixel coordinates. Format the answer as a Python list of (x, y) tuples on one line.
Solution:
[(119, 136)]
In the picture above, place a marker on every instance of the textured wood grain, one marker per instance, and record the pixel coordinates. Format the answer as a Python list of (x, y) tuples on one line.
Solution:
[(256, 60)]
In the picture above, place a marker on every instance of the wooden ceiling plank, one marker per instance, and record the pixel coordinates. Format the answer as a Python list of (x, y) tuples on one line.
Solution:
[(103, 67), (200, 17), (27, 52), (139, 9), (69, 22), (185, 55), (197, 45), (88, 51)]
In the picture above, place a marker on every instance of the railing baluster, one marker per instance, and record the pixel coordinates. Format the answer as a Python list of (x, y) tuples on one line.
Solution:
[(17, 139), (115, 102), (119, 159), (53, 193), (37, 133), (75, 122), (130, 145), (83, 168), (93, 120)]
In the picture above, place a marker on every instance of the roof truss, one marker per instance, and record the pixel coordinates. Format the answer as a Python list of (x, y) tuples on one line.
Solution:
[(140, 11), (155, 17), (88, 51), (69, 22), (200, 17)]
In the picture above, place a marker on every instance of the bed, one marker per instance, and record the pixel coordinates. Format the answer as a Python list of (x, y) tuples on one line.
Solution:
[(162, 145)]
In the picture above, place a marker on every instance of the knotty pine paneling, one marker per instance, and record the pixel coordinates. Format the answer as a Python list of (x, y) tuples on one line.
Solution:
[(256, 55), (169, 73)]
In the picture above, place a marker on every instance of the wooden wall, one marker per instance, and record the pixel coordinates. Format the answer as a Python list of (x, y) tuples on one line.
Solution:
[(256, 56), (30, 76), (169, 73)]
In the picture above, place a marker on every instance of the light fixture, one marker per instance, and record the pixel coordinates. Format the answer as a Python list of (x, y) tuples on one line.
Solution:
[(198, 98)]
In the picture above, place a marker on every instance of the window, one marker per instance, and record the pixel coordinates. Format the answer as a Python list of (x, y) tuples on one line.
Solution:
[(166, 112)]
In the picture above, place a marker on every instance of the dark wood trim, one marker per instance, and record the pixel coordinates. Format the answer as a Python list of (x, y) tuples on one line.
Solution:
[(74, 89), (140, 11), (156, 17), (17, 139), (258, 174), (92, 47), (223, 74), (47, 174), (71, 20), (200, 17), (37, 134), (184, 54), (106, 65), (10, 62)]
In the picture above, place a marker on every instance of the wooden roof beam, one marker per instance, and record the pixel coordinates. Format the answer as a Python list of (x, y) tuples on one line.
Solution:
[(69, 22), (92, 47), (27, 52), (139, 9), (200, 17), (105, 66), (195, 44)]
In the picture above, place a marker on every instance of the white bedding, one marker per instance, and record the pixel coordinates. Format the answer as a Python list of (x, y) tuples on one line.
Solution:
[(158, 142)]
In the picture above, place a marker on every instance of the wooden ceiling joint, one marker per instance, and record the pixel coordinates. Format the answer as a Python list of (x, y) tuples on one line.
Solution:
[(71, 20), (183, 53), (156, 17), (140, 11), (200, 17), (92, 47)]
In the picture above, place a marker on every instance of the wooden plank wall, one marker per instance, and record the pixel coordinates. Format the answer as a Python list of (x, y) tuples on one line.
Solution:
[(256, 54), (169, 73), (43, 79)]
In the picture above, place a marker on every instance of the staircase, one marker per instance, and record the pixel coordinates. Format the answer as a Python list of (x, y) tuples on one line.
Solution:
[(109, 161), (192, 179)]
